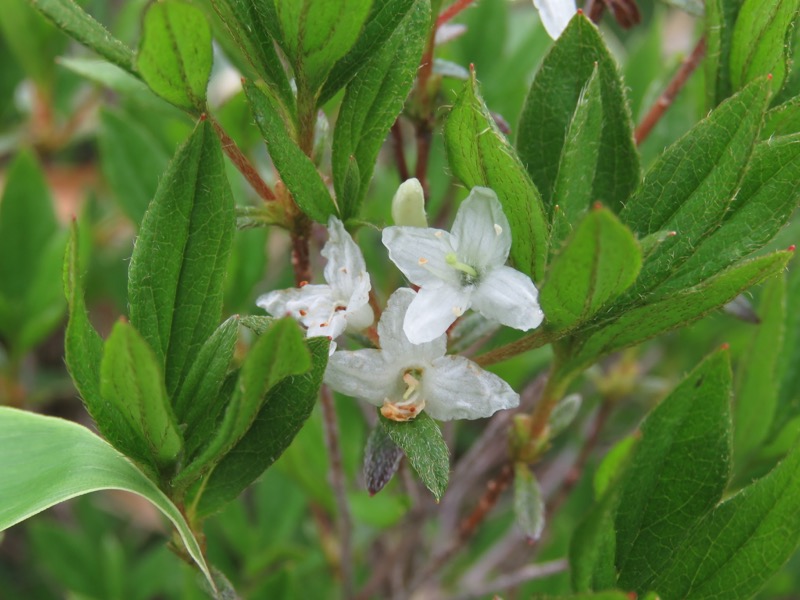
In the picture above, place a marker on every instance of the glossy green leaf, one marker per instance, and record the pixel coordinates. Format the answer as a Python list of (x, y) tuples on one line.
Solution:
[(691, 186), (31, 255), (285, 409), (641, 323), (744, 541), (528, 502), (197, 404), (677, 474), (246, 22), (49, 460), (719, 25), (761, 41), (551, 106), (422, 441), (296, 169), (758, 381), (70, 17), (374, 98), (599, 262), (277, 354), (314, 36), (132, 160), (573, 189), (175, 55), (131, 380), (177, 271), (480, 155), (767, 196), (383, 18)]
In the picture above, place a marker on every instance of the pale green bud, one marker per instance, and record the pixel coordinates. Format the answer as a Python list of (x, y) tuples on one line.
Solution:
[(408, 204)]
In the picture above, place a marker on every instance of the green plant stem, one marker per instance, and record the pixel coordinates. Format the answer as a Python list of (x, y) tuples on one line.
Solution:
[(537, 339), (554, 390)]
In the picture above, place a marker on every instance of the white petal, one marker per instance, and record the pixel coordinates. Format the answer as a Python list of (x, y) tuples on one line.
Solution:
[(359, 319), (345, 261), (555, 15), (481, 233), (363, 374), (433, 310), (420, 254), (294, 300), (408, 204), (358, 308), (508, 296), (457, 388), (395, 343)]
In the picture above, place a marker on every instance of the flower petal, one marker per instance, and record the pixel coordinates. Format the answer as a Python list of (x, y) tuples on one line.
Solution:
[(420, 254), (481, 233), (394, 342), (433, 310), (555, 15), (508, 296), (457, 388), (294, 300), (364, 374), (345, 261)]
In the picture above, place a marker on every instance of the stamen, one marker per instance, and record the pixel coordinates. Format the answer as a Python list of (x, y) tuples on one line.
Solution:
[(452, 260)]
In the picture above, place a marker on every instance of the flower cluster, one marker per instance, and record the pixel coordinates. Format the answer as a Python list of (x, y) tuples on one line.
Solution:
[(454, 271)]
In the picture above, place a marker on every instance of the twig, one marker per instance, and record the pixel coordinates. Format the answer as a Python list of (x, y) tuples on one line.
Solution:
[(451, 11), (518, 577), (655, 113), (336, 477), (537, 339), (301, 257), (399, 151), (425, 123), (241, 162)]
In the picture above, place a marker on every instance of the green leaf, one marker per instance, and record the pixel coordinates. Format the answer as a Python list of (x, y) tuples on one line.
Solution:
[(381, 459), (594, 596), (528, 502), (374, 98), (480, 155), (745, 540), (48, 460), (573, 190), (767, 196), (132, 161), (70, 17), (197, 404), (175, 55), (422, 441), (677, 474), (277, 354), (314, 36), (761, 41), (31, 251), (613, 463), (600, 261), (176, 275), (782, 120), (593, 546), (33, 42), (383, 19), (719, 26), (296, 169), (691, 186), (246, 22), (758, 380), (108, 75), (284, 411), (788, 405), (551, 107), (644, 322), (131, 380), (83, 348)]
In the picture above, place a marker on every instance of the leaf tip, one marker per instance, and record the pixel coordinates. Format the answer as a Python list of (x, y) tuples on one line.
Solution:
[(579, 11), (725, 346), (791, 248)]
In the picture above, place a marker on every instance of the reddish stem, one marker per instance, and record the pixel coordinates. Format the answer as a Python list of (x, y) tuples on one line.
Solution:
[(451, 11), (241, 162)]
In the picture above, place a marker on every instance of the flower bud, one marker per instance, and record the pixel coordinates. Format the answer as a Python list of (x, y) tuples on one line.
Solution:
[(408, 204)]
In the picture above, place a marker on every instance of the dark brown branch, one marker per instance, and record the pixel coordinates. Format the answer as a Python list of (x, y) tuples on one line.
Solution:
[(337, 482), (399, 151), (664, 101), (241, 162)]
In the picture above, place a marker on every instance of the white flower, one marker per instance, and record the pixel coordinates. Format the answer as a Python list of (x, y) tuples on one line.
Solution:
[(463, 269), (404, 378), (408, 204), (555, 14), (327, 310)]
